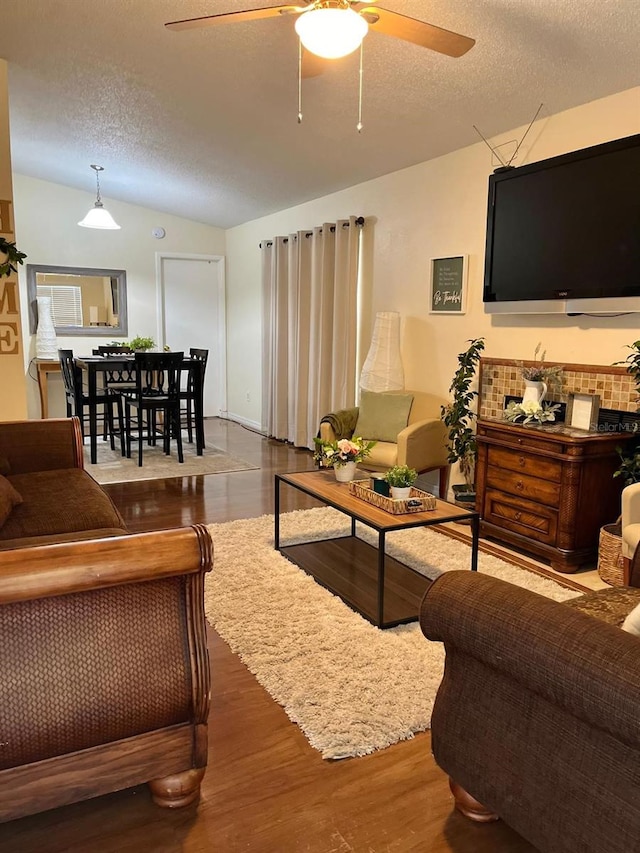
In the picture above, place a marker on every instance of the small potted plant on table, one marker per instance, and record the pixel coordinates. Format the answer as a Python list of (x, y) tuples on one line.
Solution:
[(141, 344), (400, 478)]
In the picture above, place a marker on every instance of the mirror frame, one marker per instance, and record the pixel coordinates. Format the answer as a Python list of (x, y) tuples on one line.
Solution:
[(121, 330)]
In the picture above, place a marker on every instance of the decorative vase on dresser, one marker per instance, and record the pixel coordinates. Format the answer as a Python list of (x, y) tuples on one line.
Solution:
[(547, 493), (535, 391)]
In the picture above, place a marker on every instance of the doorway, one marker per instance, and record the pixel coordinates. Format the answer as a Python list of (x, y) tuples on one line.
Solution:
[(191, 313)]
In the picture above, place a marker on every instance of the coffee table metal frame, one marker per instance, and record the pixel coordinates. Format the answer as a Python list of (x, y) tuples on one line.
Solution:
[(341, 564)]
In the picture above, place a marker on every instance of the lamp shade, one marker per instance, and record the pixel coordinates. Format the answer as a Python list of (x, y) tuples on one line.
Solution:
[(382, 369), (99, 217), (46, 341), (331, 33)]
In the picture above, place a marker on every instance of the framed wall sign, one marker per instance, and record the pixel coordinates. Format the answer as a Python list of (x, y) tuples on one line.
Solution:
[(448, 285), (582, 411)]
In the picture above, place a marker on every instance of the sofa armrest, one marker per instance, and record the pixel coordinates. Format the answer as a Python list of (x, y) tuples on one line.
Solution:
[(44, 571), (422, 445), (112, 633), (630, 520), (48, 445), (589, 668), (630, 504)]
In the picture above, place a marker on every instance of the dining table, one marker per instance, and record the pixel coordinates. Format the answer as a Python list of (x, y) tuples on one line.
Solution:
[(95, 366)]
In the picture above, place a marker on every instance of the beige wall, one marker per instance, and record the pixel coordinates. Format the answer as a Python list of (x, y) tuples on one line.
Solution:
[(47, 216), (13, 402), (434, 209)]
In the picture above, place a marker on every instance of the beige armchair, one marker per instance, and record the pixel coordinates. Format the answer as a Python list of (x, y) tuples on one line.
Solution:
[(630, 525), (422, 444)]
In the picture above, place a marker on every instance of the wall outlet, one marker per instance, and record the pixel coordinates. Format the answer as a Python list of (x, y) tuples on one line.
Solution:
[(248, 397)]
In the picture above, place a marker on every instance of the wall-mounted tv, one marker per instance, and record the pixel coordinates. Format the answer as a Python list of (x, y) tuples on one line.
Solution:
[(563, 235)]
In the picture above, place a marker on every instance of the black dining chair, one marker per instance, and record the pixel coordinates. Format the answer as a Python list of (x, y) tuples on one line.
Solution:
[(116, 349), (187, 394), (156, 392), (76, 400)]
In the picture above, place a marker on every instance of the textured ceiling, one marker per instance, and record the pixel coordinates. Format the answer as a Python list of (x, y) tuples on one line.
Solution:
[(202, 123)]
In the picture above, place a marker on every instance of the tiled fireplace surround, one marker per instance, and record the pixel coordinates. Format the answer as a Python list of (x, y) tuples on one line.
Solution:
[(500, 378)]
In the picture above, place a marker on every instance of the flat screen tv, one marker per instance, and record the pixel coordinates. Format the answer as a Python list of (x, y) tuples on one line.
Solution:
[(563, 235)]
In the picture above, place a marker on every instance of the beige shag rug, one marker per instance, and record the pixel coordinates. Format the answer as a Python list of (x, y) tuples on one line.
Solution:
[(352, 688), (113, 468)]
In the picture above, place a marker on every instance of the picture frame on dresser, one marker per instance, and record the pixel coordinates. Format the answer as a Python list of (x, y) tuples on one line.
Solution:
[(582, 411)]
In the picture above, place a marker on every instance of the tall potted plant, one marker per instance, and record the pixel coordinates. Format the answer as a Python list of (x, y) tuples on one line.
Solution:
[(629, 455), (458, 417)]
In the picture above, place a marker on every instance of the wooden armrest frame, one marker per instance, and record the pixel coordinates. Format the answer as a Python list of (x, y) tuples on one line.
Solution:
[(48, 570)]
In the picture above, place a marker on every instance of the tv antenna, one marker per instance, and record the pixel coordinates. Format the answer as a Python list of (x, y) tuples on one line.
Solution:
[(494, 149)]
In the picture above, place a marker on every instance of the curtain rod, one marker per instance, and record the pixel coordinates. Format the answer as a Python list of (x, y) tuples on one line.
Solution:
[(360, 220)]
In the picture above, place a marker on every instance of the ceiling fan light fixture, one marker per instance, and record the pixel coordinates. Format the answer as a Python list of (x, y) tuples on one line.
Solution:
[(99, 216), (331, 33)]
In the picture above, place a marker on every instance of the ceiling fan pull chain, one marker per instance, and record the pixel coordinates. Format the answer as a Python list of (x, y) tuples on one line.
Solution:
[(359, 125), (299, 82)]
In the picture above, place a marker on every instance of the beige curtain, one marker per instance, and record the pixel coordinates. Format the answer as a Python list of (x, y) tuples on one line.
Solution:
[(309, 287)]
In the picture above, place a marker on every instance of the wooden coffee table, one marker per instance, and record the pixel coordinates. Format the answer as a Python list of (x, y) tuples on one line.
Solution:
[(381, 588)]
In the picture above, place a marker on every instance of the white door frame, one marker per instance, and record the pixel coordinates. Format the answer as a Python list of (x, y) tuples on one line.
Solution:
[(220, 355)]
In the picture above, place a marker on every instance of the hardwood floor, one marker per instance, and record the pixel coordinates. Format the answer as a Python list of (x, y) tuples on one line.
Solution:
[(265, 790)]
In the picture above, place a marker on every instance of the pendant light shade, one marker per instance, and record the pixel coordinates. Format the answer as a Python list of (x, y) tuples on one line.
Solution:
[(99, 216), (330, 32)]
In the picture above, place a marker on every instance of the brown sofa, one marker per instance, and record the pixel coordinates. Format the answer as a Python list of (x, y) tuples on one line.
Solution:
[(536, 720), (61, 502), (104, 671)]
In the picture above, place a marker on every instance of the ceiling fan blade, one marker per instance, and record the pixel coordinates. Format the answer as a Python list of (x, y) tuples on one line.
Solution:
[(418, 32), (232, 17), (312, 65)]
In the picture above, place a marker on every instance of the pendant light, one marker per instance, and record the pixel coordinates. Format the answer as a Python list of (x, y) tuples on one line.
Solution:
[(99, 216)]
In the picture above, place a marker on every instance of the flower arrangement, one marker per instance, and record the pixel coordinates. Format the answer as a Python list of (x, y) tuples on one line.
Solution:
[(539, 371), (401, 476), (530, 410), (334, 454)]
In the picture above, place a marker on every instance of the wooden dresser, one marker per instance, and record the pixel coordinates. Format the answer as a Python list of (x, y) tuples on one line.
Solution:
[(547, 489)]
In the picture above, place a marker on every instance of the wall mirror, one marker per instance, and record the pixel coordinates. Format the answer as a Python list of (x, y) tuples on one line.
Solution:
[(87, 302)]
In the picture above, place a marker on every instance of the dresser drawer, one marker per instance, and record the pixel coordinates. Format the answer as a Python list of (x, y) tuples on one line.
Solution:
[(533, 465), (524, 517), (521, 437), (521, 485)]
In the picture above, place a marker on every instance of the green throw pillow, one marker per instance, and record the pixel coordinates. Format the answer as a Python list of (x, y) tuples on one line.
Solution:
[(382, 416)]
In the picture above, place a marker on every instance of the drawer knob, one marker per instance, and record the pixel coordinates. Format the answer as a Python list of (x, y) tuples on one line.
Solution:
[(519, 441), (517, 515), (519, 485), (522, 461)]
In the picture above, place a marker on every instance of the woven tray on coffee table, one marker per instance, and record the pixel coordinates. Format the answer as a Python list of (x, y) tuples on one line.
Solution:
[(418, 501)]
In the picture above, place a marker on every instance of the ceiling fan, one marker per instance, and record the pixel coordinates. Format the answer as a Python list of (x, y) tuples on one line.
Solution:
[(322, 24), (330, 29)]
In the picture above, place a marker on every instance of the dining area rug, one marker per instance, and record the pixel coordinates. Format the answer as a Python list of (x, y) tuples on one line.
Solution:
[(350, 687), (112, 467)]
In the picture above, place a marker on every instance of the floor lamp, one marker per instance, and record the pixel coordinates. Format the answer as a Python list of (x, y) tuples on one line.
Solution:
[(382, 369)]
